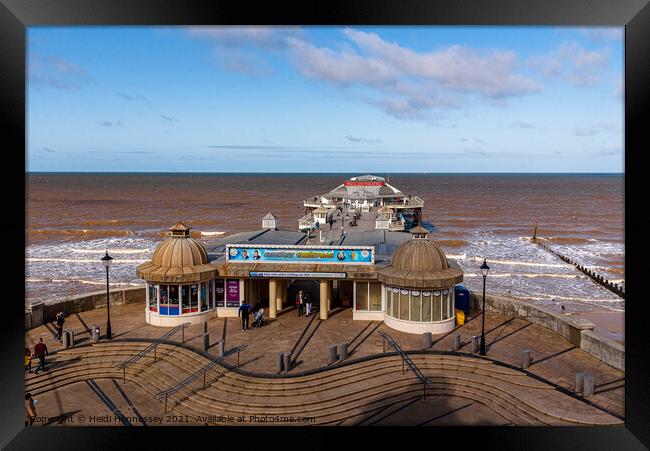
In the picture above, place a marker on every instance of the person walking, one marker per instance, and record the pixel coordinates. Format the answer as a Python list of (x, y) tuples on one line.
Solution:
[(41, 351), (300, 302), (308, 303), (244, 312), (60, 320), (28, 360), (30, 409)]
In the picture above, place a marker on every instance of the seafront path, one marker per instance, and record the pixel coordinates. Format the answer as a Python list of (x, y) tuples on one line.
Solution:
[(370, 387)]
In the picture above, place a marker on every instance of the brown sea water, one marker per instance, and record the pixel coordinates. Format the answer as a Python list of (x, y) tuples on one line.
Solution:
[(71, 219)]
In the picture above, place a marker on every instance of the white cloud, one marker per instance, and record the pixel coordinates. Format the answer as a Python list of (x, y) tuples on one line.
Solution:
[(56, 73), (592, 130), (238, 36), (601, 34), (455, 67), (573, 63), (344, 67), (407, 84), (400, 81)]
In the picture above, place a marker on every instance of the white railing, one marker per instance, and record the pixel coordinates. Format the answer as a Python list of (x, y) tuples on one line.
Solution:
[(413, 202), (306, 222)]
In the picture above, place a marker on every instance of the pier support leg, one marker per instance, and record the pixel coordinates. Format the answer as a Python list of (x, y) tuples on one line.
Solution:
[(273, 292), (279, 296), (323, 300)]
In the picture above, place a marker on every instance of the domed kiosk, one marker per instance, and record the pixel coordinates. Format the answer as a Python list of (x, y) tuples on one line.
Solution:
[(419, 287), (180, 281)]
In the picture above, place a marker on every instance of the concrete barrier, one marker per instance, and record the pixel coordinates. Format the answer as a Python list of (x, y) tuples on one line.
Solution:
[(604, 349), (579, 331), (39, 313)]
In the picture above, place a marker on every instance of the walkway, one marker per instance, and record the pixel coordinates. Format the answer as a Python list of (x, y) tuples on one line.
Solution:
[(554, 358)]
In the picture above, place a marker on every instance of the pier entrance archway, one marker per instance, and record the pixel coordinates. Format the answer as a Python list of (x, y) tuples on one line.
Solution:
[(307, 286)]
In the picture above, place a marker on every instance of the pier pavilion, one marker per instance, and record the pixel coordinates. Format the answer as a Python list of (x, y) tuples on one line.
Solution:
[(401, 278), (180, 281)]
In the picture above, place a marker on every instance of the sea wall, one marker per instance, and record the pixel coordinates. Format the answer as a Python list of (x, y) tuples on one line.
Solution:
[(603, 349), (579, 331), (39, 313)]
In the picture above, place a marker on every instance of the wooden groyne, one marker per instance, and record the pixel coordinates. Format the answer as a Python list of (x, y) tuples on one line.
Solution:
[(613, 287)]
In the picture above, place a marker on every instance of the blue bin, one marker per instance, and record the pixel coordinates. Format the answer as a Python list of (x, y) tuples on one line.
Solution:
[(461, 298)]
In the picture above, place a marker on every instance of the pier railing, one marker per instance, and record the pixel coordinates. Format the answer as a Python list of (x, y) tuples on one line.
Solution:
[(185, 383), (152, 347), (306, 222), (413, 202), (406, 359)]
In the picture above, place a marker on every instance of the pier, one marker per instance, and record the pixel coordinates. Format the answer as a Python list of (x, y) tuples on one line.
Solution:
[(613, 287)]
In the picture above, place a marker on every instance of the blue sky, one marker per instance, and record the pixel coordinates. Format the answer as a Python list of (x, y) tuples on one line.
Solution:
[(325, 99)]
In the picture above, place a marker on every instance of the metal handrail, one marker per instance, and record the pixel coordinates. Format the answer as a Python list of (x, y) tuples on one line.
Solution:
[(185, 383), (405, 358), (151, 347)]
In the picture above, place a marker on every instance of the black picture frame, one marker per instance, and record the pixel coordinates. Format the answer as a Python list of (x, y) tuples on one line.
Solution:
[(16, 15)]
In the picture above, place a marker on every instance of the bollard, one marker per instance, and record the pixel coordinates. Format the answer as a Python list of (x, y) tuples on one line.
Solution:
[(588, 385), (221, 347), (96, 333), (580, 379), (525, 362), (456, 343), (332, 357), (343, 351), (206, 341), (65, 339), (71, 339), (280, 362), (287, 362), (426, 340), (476, 343)]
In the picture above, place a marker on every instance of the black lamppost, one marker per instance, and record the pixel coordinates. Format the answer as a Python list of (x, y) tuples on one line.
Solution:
[(484, 272), (106, 260)]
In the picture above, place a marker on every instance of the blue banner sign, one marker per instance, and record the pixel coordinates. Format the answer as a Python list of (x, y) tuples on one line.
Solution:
[(345, 255), (297, 275)]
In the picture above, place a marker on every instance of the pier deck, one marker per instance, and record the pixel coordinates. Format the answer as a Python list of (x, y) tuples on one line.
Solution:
[(554, 358)]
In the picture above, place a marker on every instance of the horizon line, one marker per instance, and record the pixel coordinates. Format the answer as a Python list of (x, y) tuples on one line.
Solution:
[(325, 173)]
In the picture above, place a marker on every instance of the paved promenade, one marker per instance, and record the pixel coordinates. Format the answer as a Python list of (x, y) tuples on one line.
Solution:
[(554, 359)]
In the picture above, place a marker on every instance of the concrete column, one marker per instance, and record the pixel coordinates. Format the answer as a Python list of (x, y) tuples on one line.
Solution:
[(588, 385), (427, 342), (323, 299), (580, 378), (329, 295), (476, 339), (343, 351), (285, 292), (456, 343), (279, 296), (280, 362), (525, 359), (332, 356), (273, 290), (287, 362), (241, 291)]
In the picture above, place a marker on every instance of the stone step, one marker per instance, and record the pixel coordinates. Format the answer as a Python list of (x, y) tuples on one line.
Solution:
[(172, 368)]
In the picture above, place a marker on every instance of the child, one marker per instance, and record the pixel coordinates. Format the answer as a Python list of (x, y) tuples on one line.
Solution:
[(28, 360)]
